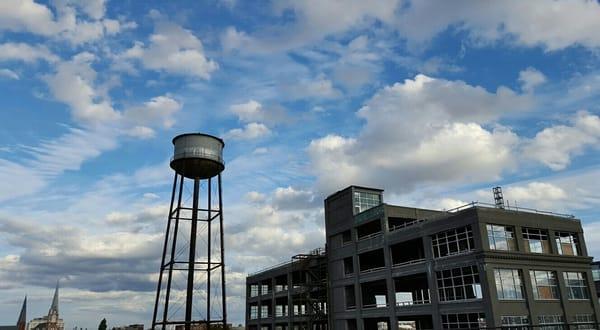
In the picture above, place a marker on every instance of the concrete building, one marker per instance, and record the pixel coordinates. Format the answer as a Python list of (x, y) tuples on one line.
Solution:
[(394, 267)]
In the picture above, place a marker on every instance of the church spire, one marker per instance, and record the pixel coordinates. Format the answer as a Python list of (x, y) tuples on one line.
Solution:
[(54, 306), (22, 322)]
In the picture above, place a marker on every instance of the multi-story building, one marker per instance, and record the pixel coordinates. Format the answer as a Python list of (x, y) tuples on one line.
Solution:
[(394, 267)]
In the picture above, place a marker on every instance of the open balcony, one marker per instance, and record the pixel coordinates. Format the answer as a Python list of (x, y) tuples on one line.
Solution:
[(374, 294), (412, 290), (408, 252)]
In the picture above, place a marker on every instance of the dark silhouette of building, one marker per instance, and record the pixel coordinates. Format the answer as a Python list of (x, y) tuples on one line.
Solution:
[(21, 321), (394, 267)]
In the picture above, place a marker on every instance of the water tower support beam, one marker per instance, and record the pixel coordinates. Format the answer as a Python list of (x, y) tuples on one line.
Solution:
[(164, 254), (223, 295), (192, 258)]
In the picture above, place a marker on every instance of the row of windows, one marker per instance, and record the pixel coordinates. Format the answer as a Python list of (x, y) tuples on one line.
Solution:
[(548, 322), (509, 284), (501, 237)]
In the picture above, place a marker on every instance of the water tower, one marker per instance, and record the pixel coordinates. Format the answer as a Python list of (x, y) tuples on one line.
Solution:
[(191, 284)]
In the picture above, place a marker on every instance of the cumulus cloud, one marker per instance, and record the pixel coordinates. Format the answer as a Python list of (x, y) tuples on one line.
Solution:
[(36, 18), (159, 111), (250, 131), (73, 83), (555, 146), (12, 51), (553, 26), (422, 130), (530, 78), (173, 49)]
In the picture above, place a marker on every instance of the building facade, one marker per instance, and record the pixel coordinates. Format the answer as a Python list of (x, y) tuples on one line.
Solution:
[(394, 267)]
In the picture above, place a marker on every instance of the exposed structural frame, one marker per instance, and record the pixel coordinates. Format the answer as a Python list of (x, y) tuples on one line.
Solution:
[(170, 264), (313, 290)]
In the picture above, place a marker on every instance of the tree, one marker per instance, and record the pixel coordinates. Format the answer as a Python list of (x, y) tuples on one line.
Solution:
[(102, 325)]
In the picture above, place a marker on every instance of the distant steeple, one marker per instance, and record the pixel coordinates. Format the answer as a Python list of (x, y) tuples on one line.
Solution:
[(22, 322), (54, 306)]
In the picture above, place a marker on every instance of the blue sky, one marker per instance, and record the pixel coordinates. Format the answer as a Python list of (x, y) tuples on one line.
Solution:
[(433, 101)]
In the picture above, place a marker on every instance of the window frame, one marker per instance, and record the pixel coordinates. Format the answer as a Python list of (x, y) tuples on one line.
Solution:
[(583, 287), (532, 235), (452, 239), (507, 233), (515, 283), (571, 238), (554, 289), (454, 280)]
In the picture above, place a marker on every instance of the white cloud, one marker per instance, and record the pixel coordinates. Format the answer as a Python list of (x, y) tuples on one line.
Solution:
[(159, 111), (254, 111), (553, 25), (10, 74), (530, 78), (174, 49), (11, 51), (555, 146), (73, 83), (29, 16), (311, 23), (319, 88), (422, 130), (249, 132)]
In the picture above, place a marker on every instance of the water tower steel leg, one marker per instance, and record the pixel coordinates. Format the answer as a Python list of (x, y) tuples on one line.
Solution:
[(173, 247), (192, 258), (209, 253), (222, 255), (164, 254)]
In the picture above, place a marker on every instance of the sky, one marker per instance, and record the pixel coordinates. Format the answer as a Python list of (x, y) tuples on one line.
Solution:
[(434, 101)]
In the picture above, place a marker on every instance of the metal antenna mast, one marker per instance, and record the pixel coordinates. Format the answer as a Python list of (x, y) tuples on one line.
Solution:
[(197, 158), (498, 197)]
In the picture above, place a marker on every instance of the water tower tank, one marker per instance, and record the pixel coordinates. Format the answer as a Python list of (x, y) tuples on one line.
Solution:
[(197, 155)]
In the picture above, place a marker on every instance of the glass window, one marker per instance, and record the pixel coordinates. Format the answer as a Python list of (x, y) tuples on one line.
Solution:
[(253, 312), (551, 322), (509, 284), (501, 237), (576, 285), (253, 290), (518, 321), (454, 241), (463, 321), (587, 320), (365, 200), (596, 274), (544, 284), (459, 284), (567, 244), (536, 240), (264, 311), (264, 289)]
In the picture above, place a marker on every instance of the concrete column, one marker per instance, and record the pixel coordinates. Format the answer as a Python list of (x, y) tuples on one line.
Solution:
[(432, 284)]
